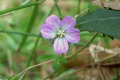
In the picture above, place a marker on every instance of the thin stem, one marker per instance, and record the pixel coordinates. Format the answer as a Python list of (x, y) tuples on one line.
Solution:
[(29, 28), (59, 11), (50, 75), (107, 58), (102, 3), (34, 15), (52, 9), (101, 72), (70, 49), (78, 7), (31, 68), (84, 46), (104, 59), (79, 50), (19, 33), (22, 76), (33, 51), (67, 73), (63, 54), (31, 55), (92, 69), (27, 1), (20, 7)]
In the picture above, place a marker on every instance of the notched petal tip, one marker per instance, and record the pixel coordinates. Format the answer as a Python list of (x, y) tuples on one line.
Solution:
[(60, 45)]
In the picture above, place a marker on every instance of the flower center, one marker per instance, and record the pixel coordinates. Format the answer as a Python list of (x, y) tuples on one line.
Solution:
[(61, 33)]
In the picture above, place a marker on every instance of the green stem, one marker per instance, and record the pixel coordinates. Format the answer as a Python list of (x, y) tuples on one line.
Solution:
[(31, 55), (19, 33), (107, 58), (83, 46), (29, 28), (31, 67), (70, 49), (52, 9), (50, 75), (20, 7), (78, 9), (59, 11), (76, 53)]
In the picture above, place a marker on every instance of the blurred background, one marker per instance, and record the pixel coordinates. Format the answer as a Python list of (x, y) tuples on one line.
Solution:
[(13, 60)]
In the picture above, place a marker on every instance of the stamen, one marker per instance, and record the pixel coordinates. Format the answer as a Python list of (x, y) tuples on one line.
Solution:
[(61, 33)]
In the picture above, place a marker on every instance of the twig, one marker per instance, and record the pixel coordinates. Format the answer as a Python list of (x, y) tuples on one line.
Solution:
[(101, 72), (84, 66), (102, 3), (22, 76), (31, 68)]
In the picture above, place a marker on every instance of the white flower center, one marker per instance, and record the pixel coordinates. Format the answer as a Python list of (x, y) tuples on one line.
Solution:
[(61, 33)]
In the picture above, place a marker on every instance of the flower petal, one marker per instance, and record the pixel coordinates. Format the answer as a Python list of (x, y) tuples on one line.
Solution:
[(68, 22), (53, 20), (61, 45), (72, 35), (48, 31)]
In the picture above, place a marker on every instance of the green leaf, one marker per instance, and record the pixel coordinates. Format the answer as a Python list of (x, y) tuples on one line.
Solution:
[(101, 21), (92, 7), (56, 64), (62, 59), (58, 61), (46, 58)]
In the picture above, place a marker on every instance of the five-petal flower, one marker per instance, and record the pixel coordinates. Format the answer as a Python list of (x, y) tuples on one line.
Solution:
[(63, 31)]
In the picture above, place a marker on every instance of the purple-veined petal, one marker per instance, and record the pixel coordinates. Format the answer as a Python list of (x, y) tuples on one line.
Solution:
[(72, 35), (61, 45), (48, 31), (68, 22), (53, 20)]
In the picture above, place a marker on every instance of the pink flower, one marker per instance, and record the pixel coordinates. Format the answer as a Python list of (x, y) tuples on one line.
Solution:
[(63, 32)]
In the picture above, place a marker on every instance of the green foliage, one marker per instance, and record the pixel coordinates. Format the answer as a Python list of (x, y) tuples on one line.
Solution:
[(58, 61), (56, 64), (101, 21), (46, 58), (107, 42), (92, 7), (17, 78)]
